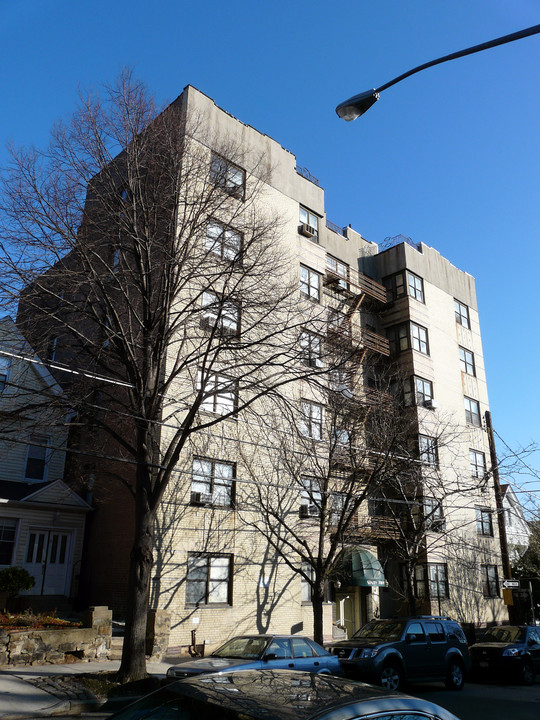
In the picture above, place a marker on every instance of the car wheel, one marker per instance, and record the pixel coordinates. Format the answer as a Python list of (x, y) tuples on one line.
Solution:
[(527, 673), (455, 676), (391, 677)]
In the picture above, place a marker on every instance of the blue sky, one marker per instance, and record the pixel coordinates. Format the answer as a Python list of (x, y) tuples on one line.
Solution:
[(449, 157)]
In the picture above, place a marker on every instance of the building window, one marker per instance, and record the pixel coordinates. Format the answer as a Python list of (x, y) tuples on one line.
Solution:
[(395, 284), (227, 176), (309, 224), (428, 450), (220, 393), (484, 522), (5, 364), (418, 390), (462, 314), (311, 419), (466, 360), (490, 580), (416, 286), (472, 412), (220, 314), (433, 515), (37, 458), (338, 269), (311, 349), (310, 284), (307, 569), (430, 580), (311, 496), (223, 241), (212, 482), (478, 463), (408, 335), (8, 529), (51, 349), (209, 579)]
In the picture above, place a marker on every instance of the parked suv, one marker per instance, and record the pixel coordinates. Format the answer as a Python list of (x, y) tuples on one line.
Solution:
[(390, 652), (508, 651)]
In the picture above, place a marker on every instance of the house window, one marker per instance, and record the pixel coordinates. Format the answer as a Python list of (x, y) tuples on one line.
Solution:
[(428, 450), (311, 419), (484, 522), (209, 579), (490, 580), (223, 241), (311, 496), (5, 364), (466, 360), (307, 569), (220, 393), (212, 482), (472, 412), (223, 315), (433, 515), (418, 390), (430, 580), (478, 463), (408, 335), (37, 458), (310, 284), (227, 176), (8, 529), (309, 223), (395, 284), (339, 323), (51, 349), (416, 286), (338, 269), (311, 349), (462, 314)]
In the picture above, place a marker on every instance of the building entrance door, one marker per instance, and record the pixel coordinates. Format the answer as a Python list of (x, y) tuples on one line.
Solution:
[(48, 560), (345, 612)]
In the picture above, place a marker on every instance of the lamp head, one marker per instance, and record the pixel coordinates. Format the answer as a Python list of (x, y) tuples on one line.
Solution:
[(357, 105)]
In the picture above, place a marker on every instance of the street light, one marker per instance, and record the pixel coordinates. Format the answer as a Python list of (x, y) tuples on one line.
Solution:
[(359, 104)]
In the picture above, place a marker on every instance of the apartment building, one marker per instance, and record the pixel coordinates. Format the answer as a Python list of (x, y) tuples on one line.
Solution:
[(366, 333)]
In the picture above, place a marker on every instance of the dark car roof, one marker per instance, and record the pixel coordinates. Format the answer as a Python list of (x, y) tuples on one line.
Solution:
[(288, 695)]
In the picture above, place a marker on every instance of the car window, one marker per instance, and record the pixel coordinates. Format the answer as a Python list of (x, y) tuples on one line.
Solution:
[(415, 633), (301, 648), (280, 647), (456, 633), (385, 630), (435, 631), (248, 648), (504, 633), (534, 635)]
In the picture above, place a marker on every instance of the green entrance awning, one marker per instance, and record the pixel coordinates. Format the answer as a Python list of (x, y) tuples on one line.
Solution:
[(359, 567)]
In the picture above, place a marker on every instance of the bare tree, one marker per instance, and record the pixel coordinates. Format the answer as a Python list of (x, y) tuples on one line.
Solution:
[(146, 259)]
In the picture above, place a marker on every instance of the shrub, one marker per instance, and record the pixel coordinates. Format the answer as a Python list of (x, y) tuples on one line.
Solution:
[(14, 579)]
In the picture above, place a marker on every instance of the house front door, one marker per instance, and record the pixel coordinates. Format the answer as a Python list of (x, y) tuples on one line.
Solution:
[(48, 560)]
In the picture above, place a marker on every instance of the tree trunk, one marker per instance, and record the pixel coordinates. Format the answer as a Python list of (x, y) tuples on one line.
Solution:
[(317, 600), (133, 664)]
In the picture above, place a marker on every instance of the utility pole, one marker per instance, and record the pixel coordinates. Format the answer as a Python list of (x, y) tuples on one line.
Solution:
[(505, 557)]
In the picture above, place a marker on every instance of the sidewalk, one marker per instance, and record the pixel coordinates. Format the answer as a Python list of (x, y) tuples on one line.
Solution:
[(37, 691)]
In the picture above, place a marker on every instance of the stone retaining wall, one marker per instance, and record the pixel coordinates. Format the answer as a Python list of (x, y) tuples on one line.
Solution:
[(62, 645)]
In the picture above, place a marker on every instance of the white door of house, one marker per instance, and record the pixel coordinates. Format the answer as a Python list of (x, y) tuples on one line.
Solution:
[(48, 560)]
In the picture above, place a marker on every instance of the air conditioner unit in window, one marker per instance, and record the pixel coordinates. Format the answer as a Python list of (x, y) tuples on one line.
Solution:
[(308, 510), (431, 404), (307, 230), (198, 498), (316, 362)]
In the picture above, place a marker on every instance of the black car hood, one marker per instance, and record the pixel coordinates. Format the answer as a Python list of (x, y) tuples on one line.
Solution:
[(492, 645), (358, 643)]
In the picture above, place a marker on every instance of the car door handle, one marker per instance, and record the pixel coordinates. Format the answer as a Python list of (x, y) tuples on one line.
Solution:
[(291, 665), (315, 663)]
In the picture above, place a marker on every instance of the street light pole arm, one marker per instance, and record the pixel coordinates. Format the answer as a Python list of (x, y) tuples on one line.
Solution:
[(359, 104)]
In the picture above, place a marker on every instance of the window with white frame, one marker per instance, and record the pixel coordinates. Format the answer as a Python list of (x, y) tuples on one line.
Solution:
[(5, 364), (419, 338), (311, 495), (310, 284), (418, 390), (406, 336), (220, 394), (484, 521), (212, 482), (472, 412), (209, 579), (339, 270), (310, 222), (416, 286), (490, 580), (433, 515), (428, 450), (37, 458), (478, 463), (223, 241), (466, 361), (403, 283), (307, 570), (311, 419), (227, 176), (311, 349), (224, 315), (461, 312), (8, 530)]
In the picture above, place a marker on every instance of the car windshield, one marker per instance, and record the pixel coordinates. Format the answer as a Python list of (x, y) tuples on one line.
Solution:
[(381, 630), (246, 648), (505, 634)]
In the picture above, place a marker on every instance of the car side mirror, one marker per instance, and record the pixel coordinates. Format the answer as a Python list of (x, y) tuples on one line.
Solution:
[(270, 656), (410, 638)]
